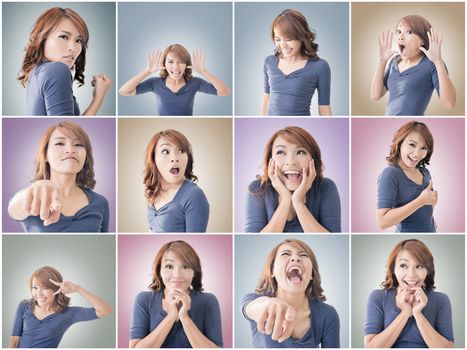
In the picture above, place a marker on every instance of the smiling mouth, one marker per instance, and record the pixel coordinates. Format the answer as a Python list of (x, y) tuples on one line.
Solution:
[(175, 170), (293, 175), (413, 161), (411, 284), (294, 274), (70, 158)]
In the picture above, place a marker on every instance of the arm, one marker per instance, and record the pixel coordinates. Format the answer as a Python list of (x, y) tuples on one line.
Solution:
[(447, 91), (14, 341), (324, 110), (196, 210), (154, 64), (431, 337), (388, 337), (265, 104), (324, 89), (307, 220), (101, 84), (378, 89), (99, 304), (156, 338), (331, 329), (198, 66), (194, 335), (387, 217)]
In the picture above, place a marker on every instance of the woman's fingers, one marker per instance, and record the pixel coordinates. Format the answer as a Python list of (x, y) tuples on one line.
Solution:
[(278, 323), (269, 326), (288, 324)]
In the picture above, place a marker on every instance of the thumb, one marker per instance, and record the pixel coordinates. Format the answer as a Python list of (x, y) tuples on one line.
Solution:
[(422, 49)]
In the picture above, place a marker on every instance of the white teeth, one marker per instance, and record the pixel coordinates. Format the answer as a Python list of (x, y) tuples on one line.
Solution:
[(295, 268), (291, 172)]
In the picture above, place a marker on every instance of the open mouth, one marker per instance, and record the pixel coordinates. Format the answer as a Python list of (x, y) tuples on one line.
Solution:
[(412, 284), (294, 274), (413, 161), (175, 170), (402, 49), (293, 175)]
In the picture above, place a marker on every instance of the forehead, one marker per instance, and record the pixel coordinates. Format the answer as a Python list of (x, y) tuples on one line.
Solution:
[(405, 255), (63, 133), (165, 141), (294, 247), (171, 255), (281, 141), (68, 26), (172, 55), (415, 136)]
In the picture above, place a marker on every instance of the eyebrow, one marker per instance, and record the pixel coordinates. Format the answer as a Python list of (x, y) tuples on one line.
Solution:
[(168, 260), (165, 144), (404, 260), (70, 33)]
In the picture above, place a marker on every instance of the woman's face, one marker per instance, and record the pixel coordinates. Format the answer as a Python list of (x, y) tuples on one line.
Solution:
[(408, 42), (43, 296), (175, 273), (174, 66), (291, 159), (412, 150), (171, 161), (65, 155), (64, 43), (288, 48), (410, 274), (292, 268)]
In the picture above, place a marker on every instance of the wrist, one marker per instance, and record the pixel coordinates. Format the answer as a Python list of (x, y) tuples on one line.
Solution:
[(438, 63), (184, 317)]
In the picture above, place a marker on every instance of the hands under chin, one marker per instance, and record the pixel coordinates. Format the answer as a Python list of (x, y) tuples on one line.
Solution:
[(176, 303), (411, 301)]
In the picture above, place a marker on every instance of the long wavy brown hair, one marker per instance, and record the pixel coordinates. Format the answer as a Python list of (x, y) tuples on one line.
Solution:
[(294, 26), (189, 256), (420, 252), (42, 277), (182, 54), (85, 178), (151, 175), (45, 24), (267, 284), (399, 137)]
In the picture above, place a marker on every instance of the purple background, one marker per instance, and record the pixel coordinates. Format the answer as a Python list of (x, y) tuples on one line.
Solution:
[(136, 255), (371, 139), (21, 138), (251, 136)]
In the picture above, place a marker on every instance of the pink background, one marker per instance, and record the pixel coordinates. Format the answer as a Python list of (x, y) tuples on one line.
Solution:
[(371, 139), (135, 257)]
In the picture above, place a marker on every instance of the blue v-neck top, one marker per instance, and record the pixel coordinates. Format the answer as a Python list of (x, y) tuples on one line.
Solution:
[(291, 94), (175, 103)]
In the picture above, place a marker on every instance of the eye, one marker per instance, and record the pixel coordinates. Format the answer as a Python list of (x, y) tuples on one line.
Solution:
[(180, 151), (301, 152), (412, 144), (304, 255), (165, 152), (79, 145), (425, 148), (59, 143), (280, 152), (403, 266), (285, 254), (64, 36), (169, 267), (420, 267), (186, 267), (409, 32), (398, 31), (34, 287), (79, 41)]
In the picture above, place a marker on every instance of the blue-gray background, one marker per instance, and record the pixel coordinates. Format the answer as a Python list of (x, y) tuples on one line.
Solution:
[(18, 19), (332, 254), (87, 260), (143, 27), (369, 256), (253, 44)]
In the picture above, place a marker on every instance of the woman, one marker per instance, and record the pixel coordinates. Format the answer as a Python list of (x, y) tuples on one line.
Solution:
[(61, 198), (292, 195), (176, 313), (55, 57), (176, 88), (407, 312), (288, 308), (295, 71), (175, 202), (415, 72), (41, 321), (406, 197)]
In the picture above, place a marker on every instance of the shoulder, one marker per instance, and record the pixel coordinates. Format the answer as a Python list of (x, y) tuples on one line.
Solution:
[(23, 305), (390, 171), (145, 297), (204, 297), (55, 71), (95, 197), (269, 60), (320, 63), (439, 297), (327, 183), (254, 186), (191, 189), (325, 310), (425, 172)]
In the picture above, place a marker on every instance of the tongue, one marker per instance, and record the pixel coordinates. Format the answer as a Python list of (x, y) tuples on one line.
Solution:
[(174, 171), (295, 279), (293, 177)]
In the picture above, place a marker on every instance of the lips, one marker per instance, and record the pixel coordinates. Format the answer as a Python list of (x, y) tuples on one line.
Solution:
[(70, 158), (413, 161), (411, 284), (402, 49), (175, 170), (293, 175)]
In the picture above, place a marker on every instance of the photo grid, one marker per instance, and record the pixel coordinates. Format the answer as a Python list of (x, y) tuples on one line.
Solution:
[(236, 174)]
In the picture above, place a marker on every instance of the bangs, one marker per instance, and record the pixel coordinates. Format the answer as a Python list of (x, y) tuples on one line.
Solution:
[(286, 29), (180, 53)]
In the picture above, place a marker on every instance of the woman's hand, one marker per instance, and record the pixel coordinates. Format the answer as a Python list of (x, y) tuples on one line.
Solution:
[(419, 302), (273, 173), (308, 176), (101, 84), (185, 305), (43, 198), (404, 300), (434, 50), (66, 287), (385, 46), (170, 304), (428, 195), (154, 62), (198, 62), (277, 319)]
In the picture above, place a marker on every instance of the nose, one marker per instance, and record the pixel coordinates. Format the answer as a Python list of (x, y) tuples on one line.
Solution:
[(295, 259), (291, 160), (73, 46)]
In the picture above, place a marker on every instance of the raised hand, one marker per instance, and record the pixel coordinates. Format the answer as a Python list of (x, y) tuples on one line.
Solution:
[(308, 176), (385, 45), (428, 195), (434, 50), (420, 301), (198, 62), (404, 299), (277, 320), (43, 198), (65, 287), (273, 173), (101, 84), (155, 61)]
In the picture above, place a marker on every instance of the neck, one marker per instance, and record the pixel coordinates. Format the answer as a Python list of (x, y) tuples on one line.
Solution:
[(66, 183), (298, 300), (406, 168), (177, 82), (167, 187), (414, 59), (46, 308), (294, 58)]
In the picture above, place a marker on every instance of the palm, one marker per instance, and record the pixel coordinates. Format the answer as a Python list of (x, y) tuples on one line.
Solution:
[(385, 45), (154, 61), (434, 51), (198, 61)]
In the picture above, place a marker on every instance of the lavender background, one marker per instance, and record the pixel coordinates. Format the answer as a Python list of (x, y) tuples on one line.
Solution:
[(20, 141), (251, 136)]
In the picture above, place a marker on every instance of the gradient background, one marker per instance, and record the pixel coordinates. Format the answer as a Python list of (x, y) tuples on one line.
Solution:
[(253, 44), (85, 260), (369, 256), (135, 258), (20, 141), (144, 27), (18, 20), (251, 252), (211, 142), (371, 140), (369, 19), (252, 135)]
